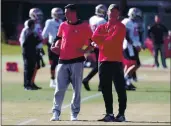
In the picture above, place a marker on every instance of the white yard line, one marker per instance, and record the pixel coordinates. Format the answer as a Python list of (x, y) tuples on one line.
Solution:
[(26, 122), (63, 108)]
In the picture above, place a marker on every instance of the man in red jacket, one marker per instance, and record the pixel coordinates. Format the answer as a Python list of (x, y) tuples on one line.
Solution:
[(109, 38)]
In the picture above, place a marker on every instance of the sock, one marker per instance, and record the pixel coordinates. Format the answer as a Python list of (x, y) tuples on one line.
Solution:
[(111, 114), (128, 82)]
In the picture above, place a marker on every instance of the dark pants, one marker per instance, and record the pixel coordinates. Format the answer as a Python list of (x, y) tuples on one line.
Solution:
[(157, 48), (108, 72), (135, 57), (29, 68), (95, 68), (53, 58)]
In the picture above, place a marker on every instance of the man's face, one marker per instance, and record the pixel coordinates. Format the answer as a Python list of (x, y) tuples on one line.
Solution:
[(157, 19), (32, 26), (69, 14), (113, 14)]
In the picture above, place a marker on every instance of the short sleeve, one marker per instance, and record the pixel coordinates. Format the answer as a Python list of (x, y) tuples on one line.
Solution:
[(127, 23), (89, 32), (59, 34)]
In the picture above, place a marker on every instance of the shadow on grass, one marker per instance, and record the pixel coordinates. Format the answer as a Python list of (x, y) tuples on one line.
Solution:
[(122, 122)]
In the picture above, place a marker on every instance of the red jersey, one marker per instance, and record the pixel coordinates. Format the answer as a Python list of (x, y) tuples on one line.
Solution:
[(74, 37), (109, 39)]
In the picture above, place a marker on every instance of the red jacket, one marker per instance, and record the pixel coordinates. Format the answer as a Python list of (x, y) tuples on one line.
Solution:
[(109, 38)]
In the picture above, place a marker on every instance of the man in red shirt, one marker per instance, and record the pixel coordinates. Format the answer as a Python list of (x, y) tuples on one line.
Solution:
[(109, 38), (73, 37)]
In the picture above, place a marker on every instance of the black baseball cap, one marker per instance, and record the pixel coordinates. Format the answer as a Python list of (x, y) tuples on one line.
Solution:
[(72, 7), (30, 22), (113, 6)]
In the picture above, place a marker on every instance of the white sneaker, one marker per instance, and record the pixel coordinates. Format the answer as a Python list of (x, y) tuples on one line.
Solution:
[(74, 118), (52, 83), (55, 117)]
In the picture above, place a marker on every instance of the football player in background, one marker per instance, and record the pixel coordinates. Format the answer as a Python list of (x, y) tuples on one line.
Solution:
[(50, 31), (131, 45), (37, 15), (95, 21)]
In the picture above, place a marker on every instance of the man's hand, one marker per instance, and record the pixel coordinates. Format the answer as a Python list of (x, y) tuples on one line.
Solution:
[(55, 47), (138, 48), (85, 49), (45, 41)]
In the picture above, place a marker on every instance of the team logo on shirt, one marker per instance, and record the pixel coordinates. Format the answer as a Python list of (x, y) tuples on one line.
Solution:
[(76, 31)]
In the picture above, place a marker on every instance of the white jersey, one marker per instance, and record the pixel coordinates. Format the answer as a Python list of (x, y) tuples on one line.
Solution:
[(23, 35), (132, 27), (95, 21), (38, 30), (50, 30)]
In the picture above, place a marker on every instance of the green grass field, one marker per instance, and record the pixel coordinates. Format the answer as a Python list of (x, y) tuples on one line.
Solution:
[(148, 105)]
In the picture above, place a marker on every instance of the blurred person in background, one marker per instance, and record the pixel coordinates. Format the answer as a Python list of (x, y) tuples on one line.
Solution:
[(29, 39), (95, 21), (157, 33), (37, 15), (131, 45), (49, 32), (167, 45)]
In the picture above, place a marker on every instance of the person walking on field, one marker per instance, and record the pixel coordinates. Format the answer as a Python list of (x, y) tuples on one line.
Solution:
[(29, 40), (73, 39), (109, 38), (157, 33), (95, 21), (50, 30)]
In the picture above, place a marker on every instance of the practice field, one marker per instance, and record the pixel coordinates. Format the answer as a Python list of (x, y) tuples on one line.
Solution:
[(148, 105)]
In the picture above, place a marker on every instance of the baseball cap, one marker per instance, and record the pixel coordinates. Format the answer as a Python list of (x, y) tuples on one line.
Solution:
[(72, 7), (30, 22), (113, 6)]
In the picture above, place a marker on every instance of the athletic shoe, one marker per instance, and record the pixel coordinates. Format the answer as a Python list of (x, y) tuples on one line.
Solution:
[(86, 85), (129, 88), (73, 118), (55, 117), (52, 83), (99, 88), (35, 86), (29, 88), (132, 86), (120, 118), (108, 118)]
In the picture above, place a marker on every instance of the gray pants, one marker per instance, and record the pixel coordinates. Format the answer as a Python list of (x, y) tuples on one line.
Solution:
[(68, 73)]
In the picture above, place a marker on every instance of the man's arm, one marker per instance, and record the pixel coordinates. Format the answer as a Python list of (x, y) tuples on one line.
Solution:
[(150, 32), (22, 37), (165, 30), (128, 37), (116, 35), (55, 47), (99, 35), (46, 29)]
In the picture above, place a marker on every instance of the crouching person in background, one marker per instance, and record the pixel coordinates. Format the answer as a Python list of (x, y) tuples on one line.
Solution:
[(28, 41)]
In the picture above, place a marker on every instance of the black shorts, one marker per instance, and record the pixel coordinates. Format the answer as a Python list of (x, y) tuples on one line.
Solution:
[(135, 57), (52, 56)]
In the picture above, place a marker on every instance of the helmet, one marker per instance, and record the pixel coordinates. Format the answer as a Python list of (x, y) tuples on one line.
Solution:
[(101, 10), (134, 13), (57, 13), (36, 14)]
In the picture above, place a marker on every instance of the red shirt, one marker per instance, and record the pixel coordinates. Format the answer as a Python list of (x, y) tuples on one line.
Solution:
[(109, 39), (74, 37)]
